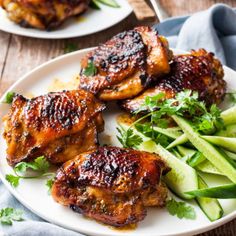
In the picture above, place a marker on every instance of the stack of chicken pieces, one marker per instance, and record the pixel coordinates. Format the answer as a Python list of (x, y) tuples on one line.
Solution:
[(110, 184)]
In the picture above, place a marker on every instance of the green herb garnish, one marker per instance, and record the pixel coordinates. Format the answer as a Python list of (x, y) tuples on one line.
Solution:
[(9, 97), (232, 97), (185, 103), (49, 184), (90, 70), (7, 215), (180, 209), (127, 138), (40, 165), (70, 47)]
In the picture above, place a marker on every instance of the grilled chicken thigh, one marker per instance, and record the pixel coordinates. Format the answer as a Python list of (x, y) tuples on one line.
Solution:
[(199, 71), (126, 64), (57, 125), (42, 14), (112, 185)]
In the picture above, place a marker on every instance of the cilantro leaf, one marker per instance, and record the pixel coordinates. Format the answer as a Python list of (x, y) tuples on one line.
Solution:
[(127, 138), (185, 103), (232, 97), (70, 47), (90, 70), (40, 165), (147, 130), (180, 209), (7, 215), (49, 184), (13, 180), (9, 97)]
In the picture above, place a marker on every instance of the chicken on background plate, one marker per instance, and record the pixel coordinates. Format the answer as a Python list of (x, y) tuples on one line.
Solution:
[(42, 14)]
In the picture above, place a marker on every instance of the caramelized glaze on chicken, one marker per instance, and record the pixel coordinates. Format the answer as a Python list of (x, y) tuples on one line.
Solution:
[(126, 64), (199, 71), (42, 14), (57, 125), (112, 185)]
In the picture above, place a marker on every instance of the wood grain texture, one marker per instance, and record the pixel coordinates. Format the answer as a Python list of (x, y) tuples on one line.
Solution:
[(18, 55)]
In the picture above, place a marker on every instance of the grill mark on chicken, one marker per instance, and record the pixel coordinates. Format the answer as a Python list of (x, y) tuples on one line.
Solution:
[(198, 71), (52, 125), (112, 185), (130, 59)]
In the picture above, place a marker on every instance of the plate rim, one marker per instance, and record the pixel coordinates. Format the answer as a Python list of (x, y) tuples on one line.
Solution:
[(38, 35), (208, 227)]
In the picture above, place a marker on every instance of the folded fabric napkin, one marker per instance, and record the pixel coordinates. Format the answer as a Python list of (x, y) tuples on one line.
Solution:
[(213, 29)]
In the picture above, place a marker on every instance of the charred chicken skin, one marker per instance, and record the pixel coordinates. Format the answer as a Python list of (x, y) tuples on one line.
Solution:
[(57, 125), (126, 64), (42, 14), (112, 185), (199, 71)]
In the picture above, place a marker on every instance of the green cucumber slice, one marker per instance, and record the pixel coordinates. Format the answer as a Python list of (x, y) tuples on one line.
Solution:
[(94, 4), (210, 152), (225, 142), (181, 176), (110, 3), (196, 159), (211, 207), (180, 140), (229, 116), (186, 152), (207, 167), (169, 132), (223, 192), (230, 154), (229, 131)]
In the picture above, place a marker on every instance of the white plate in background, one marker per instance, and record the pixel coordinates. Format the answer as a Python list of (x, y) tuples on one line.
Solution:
[(90, 22)]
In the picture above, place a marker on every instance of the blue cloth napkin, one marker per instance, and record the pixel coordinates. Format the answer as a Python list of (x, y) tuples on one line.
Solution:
[(213, 29)]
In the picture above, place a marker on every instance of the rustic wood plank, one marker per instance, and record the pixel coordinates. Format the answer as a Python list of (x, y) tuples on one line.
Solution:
[(5, 43)]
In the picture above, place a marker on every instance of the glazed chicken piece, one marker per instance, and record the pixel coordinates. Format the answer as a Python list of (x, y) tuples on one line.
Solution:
[(58, 125), (199, 71), (126, 64), (111, 185), (42, 14)]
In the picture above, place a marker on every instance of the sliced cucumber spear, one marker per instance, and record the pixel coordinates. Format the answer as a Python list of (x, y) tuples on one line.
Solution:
[(110, 3), (196, 159), (225, 142), (186, 152), (169, 132), (207, 167), (211, 207), (230, 154), (229, 116), (223, 192), (181, 176), (210, 152), (229, 131), (178, 141)]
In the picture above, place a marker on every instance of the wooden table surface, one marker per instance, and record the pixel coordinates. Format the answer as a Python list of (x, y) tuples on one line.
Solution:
[(18, 55)]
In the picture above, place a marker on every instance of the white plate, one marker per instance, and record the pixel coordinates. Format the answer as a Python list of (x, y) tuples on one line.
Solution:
[(88, 23), (33, 193)]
